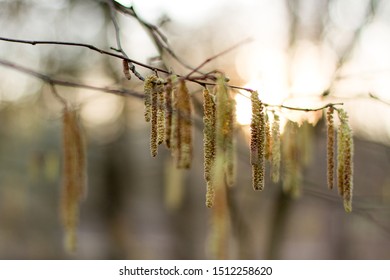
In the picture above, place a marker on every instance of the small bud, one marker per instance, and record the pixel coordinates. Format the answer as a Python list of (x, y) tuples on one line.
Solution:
[(126, 69)]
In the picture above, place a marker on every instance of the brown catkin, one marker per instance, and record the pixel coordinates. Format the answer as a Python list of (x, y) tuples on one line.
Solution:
[(224, 127), (210, 194), (148, 90), (159, 87), (275, 160), (181, 136), (255, 128), (230, 160), (208, 133), (330, 146), (268, 138), (345, 160), (74, 175), (168, 112), (126, 69), (153, 121), (258, 135)]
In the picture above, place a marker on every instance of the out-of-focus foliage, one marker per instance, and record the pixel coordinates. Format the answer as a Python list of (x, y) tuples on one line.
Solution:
[(301, 49)]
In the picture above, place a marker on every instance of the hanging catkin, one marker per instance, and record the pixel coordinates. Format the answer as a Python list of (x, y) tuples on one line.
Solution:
[(345, 160), (224, 124), (208, 143), (268, 138), (157, 114), (148, 90), (258, 134), (153, 124), (208, 133), (181, 136), (74, 175), (330, 147), (159, 87), (168, 111), (275, 159)]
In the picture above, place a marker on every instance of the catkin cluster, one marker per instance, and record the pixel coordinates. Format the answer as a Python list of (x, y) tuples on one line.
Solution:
[(345, 160), (181, 136), (258, 140), (74, 175), (168, 109), (219, 147)]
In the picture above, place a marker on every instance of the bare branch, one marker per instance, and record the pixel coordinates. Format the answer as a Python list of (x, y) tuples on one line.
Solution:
[(247, 40), (51, 81), (56, 95), (306, 109), (378, 99), (118, 40), (155, 33), (88, 46)]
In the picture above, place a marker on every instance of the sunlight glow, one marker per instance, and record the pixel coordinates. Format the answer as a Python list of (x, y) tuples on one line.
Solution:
[(243, 109)]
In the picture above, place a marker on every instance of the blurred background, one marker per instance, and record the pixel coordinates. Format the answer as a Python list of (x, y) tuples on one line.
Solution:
[(303, 53)]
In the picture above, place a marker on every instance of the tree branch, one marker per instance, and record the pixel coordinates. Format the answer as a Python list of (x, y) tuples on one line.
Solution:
[(88, 46), (307, 109), (121, 92), (118, 40), (47, 79)]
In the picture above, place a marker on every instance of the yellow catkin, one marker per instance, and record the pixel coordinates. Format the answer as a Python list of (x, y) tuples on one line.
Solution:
[(268, 138), (208, 133), (258, 135), (330, 147), (168, 112), (153, 122), (148, 90), (230, 161), (181, 136), (345, 160), (126, 69), (210, 194), (225, 111), (340, 153), (275, 159), (74, 176), (159, 88)]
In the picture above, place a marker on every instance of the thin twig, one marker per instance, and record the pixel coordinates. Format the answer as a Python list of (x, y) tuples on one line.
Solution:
[(57, 96), (88, 46), (245, 41), (51, 81), (306, 109), (118, 40), (378, 99), (158, 37), (120, 92), (91, 47)]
